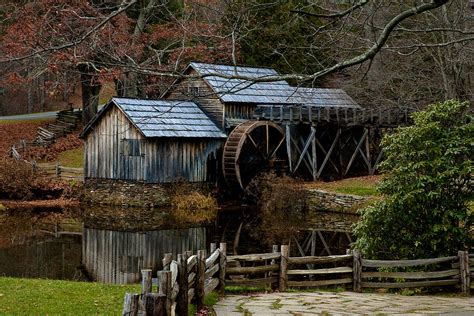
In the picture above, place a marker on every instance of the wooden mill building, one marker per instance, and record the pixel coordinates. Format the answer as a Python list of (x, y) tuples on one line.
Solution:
[(209, 125), (155, 141)]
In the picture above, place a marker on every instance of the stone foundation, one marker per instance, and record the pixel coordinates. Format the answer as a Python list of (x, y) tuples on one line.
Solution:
[(132, 193)]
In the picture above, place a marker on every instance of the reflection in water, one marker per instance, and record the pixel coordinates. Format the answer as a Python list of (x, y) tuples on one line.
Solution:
[(52, 258), (38, 244), (107, 244), (117, 257), (113, 244)]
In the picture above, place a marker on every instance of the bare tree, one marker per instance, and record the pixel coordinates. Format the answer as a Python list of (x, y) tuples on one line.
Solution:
[(139, 43)]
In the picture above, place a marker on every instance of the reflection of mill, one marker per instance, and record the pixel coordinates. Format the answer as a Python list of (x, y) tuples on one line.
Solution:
[(318, 242), (117, 257)]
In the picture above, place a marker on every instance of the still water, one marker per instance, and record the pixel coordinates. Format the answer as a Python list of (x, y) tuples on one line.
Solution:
[(104, 244), (111, 245)]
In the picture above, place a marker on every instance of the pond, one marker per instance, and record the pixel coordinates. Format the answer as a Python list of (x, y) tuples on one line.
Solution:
[(112, 244), (100, 243)]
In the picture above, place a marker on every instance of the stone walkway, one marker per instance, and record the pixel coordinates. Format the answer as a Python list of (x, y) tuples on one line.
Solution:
[(344, 303)]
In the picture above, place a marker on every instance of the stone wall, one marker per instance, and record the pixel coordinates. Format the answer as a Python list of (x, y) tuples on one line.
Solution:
[(132, 193), (125, 193), (333, 211)]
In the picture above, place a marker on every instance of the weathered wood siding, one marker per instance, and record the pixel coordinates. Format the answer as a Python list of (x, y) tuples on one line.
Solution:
[(117, 257), (239, 110), (163, 160), (207, 100)]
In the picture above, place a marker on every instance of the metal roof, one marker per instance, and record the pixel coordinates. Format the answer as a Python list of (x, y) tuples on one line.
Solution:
[(272, 92), (323, 97), (244, 91), (163, 118)]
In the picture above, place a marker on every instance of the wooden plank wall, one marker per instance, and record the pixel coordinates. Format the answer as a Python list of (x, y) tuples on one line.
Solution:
[(207, 100), (117, 257), (239, 111), (165, 159)]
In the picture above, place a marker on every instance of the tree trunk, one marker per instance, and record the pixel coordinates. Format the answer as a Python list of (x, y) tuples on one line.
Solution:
[(90, 93)]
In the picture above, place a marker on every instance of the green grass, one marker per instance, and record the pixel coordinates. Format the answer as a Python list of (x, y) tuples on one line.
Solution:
[(355, 190), (73, 158), (246, 289), (210, 300), (39, 296), (362, 186)]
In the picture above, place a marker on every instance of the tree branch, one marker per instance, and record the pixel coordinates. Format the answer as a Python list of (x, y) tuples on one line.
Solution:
[(123, 6), (333, 15)]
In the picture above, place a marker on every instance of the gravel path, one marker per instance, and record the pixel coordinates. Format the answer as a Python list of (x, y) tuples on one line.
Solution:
[(344, 303)]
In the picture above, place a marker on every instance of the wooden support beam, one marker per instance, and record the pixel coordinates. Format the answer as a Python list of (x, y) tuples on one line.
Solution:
[(339, 147), (305, 148), (359, 144), (298, 151), (362, 155), (329, 153), (288, 146), (325, 152), (367, 150), (314, 155), (307, 157), (324, 242)]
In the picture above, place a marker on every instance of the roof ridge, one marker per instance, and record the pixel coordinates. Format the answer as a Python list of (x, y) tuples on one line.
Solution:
[(232, 65)]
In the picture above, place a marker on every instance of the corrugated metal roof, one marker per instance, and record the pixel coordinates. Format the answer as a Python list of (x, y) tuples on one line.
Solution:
[(163, 118), (273, 92)]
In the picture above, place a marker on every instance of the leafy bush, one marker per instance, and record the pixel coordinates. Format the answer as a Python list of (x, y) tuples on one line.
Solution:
[(424, 211)]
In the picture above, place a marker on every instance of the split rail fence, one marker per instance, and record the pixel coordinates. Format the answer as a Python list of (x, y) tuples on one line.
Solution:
[(189, 278), (56, 170)]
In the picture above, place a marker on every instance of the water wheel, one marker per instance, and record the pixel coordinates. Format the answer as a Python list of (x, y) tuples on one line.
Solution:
[(253, 147)]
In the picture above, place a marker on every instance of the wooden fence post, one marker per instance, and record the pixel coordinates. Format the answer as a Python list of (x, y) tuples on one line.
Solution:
[(155, 304), (165, 288), (58, 170), (167, 261), (285, 251), (130, 304), (182, 299), (146, 281), (200, 275), (357, 270), (464, 271), (222, 267), (273, 261), (213, 247)]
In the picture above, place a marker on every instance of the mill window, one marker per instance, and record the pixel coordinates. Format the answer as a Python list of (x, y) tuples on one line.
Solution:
[(133, 147), (193, 91)]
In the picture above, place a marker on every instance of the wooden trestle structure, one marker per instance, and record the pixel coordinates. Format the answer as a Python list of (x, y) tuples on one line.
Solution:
[(309, 142)]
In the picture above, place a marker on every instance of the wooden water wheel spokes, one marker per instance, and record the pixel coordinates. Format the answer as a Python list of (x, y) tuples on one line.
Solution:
[(253, 147)]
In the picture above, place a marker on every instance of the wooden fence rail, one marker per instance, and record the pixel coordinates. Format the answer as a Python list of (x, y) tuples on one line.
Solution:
[(56, 170), (190, 277)]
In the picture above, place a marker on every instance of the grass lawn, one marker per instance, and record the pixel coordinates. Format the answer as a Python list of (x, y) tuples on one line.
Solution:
[(362, 186), (38, 296), (73, 158)]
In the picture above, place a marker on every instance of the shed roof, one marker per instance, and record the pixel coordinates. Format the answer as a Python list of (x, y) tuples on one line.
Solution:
[(272, 92), (163, 118)]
